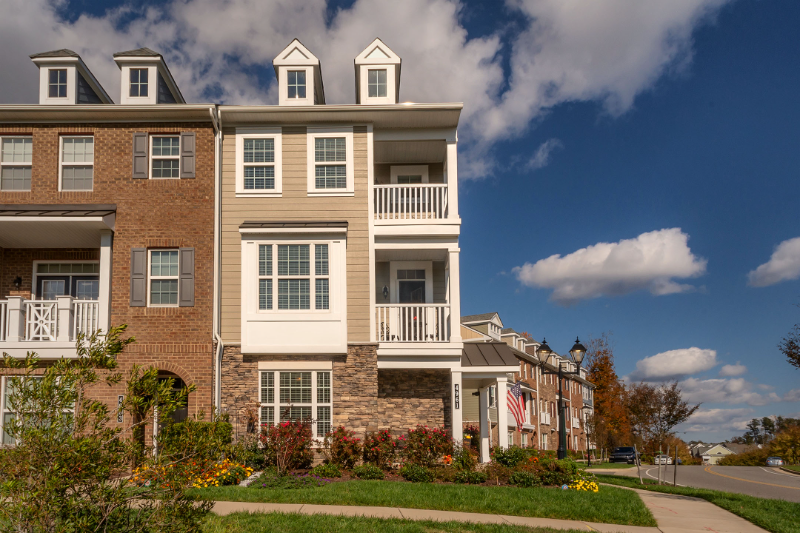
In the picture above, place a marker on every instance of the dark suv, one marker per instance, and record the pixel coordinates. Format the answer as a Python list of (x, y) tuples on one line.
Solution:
[(623, 454)]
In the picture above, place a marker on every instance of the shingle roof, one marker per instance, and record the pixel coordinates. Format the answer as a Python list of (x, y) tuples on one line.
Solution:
[(56, 53), (507, 330), (488, 354), (145, 52), (476, 318)]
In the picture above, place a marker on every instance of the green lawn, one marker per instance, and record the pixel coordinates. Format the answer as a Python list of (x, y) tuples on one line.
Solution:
[(609, 466), (610, 505), (796, 468), (296, 523), (778, 516)]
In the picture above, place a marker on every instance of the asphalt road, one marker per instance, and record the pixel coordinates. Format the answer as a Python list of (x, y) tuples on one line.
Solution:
[(762, 482)]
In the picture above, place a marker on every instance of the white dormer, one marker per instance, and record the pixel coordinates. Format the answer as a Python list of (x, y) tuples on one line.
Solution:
[(299, 76), (146, 80), (377, 75), (64, 79)]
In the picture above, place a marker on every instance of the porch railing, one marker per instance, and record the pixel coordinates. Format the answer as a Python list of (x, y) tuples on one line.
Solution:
[(413, 323), (87, 313), (411, 202), (41, 320), (47, 320)]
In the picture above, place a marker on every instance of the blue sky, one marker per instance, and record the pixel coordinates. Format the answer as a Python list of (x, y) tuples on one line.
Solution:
[(584, 123)]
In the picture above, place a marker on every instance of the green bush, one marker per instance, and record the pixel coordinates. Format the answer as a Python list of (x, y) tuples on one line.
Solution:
[(380, 448), (426, 446), (287, 445), (368, 472), (757, 457), (523, 478), (327, 470), (510, 457), (342, 447), (497, 473), (464, 459), (557, 472), (417, 473), (471, 478)]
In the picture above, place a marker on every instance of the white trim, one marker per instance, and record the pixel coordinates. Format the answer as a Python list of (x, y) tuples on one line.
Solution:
[(72, 84), (391, 84), (148, 277), (330, 132), (151, 157), (295, 365), (371, 229), (125, 83), (259, 133), (394, 283), (283, 86), (276, 394), (405, 170), (309, 230), (16, 164), (62, 163)]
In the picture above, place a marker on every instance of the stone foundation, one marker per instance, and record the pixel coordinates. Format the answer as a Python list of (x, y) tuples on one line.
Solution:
[(410, 397)]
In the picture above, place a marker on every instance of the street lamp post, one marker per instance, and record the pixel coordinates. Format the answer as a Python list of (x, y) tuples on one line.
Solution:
[(545, 353)]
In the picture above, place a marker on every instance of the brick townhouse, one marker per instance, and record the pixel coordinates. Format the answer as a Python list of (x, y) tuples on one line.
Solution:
[(107, 217)]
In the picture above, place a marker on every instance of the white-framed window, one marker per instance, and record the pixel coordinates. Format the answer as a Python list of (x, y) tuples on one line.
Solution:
[(258, 162), (139, 83), (376, 83), (510, 438), (411, 175), (165, 161), (330, 161), (7, 411), (524, 440), (77, 163), (492, 396), (296, 84), (294, 277), (16, 159), (289, 395), (57, 83), (544, 441), (163, 279)]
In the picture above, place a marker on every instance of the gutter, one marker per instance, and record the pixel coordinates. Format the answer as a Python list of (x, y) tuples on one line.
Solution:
[(217, 121)]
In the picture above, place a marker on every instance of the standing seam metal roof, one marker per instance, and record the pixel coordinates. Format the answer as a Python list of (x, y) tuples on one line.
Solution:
[(488, 354)]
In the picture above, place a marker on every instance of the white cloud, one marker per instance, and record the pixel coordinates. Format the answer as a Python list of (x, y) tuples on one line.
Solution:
[(730, 371), (783, 265), (673, 364), (730, 391), (792, 396), (542, 156), (717, 420), (567, 51), (650, 261)]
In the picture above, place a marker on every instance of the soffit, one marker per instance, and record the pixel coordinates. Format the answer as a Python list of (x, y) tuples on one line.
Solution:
[(410, 152)]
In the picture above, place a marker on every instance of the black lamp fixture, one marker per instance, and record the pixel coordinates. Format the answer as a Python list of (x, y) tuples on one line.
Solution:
[(18, 282), (544, 351), (578, 351), (385, 292)]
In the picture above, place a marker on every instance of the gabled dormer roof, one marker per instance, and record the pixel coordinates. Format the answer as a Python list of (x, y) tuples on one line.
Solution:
[(297, 55), (483, 317), (84, 89), (56, 53), (142, 52), (149, 57), (378, 53)]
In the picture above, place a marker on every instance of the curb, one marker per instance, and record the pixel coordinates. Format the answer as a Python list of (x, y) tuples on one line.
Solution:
[(795, 472)]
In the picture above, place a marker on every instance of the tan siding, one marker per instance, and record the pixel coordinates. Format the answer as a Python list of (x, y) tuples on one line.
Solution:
[(295, 204), (467, 333), (483, 328)]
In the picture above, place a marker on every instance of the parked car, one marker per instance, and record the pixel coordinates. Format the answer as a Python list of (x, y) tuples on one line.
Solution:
[(774, 461), (662, 460), (623, 454)]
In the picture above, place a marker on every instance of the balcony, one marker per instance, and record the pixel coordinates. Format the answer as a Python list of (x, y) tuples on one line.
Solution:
[(413, 323), (420, 202)]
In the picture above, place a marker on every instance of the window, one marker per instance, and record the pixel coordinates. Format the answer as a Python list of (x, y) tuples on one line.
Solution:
[(165, 156), (492, 396), (16, 157), (77, 163), (9, 412), (510, 438), (376, 83), (139, 82), (163, 278), (294, 276), (544, 441), (259, 164), (524, 441), (296, 84), (411, 286), (330, 161), (300, 395), (57, 84)]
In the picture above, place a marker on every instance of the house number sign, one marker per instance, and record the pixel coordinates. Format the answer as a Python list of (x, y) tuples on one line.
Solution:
[(458, 396), (120, 412)]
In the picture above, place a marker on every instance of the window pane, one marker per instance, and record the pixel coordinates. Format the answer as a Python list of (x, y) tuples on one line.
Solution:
[(164, 263), (259, 150), (323, 421), (77, 178), (264, 259), (17, 150), (268, 416), (293, 414), (294, 294), (293, 260), (138, 82), (323, 387), (15, 179), (267, 387), (377, 83), (166, 168), (322, 298), (330, 177), (296, 84), (87, 289), (8, 418), (166, 146), (78, 150), (330, 149), (321, 259), (257, 178), (57, 87), (296, 387), (265, 294), (164, 292)]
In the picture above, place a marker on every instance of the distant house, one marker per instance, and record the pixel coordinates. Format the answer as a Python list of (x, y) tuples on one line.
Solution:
[(712, 453)]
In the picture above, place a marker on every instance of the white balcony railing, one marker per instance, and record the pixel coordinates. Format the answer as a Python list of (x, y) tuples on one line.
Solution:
[(47, 320), (3, 319), (413, 323), (427, 201), (41, 320), (544, 418), (87, 317)]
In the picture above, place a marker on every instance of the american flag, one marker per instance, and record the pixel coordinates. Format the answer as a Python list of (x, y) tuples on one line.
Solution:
[(516, 403)]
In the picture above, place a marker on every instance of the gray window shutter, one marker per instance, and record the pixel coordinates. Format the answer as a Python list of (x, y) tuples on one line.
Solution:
[(186, 279), (140, 167), (187, 154), (138, 277)]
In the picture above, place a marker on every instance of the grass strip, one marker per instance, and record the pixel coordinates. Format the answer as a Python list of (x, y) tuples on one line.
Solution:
[(795, 468), (297, 523), (778, 516), (609, 466), (610, 505)]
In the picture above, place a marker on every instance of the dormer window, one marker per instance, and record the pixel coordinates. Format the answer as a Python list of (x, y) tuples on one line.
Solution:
[(57, 86), (377, 83), (296, 84), (139, 82)]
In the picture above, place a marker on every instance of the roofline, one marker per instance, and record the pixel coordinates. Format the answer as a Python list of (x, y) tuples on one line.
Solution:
[(334, 108), (87, 112), (169, 78), (82, 68)]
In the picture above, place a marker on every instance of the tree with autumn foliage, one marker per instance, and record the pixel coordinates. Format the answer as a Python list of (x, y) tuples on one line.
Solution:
[(610, 424)]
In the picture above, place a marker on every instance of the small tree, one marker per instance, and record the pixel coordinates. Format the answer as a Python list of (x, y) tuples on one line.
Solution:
[(790, 346), (287, 445), (787, 445), (655, 410)]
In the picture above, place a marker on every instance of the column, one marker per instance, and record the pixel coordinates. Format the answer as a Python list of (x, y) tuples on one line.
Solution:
[(457, 405), (455, 296), (16, 319), (104, 302), (502, 412), (452, 179), (483, 406), (65, 320)]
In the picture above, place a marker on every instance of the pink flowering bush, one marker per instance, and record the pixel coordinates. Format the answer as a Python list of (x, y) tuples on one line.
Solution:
[(380, 448), (426, 446), (342, 448), (287, 445)]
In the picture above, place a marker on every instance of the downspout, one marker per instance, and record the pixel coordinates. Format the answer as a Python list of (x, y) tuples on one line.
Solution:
[(217, 120)]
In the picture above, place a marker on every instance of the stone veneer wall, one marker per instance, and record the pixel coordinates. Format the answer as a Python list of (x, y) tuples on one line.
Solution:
[(410, 397)]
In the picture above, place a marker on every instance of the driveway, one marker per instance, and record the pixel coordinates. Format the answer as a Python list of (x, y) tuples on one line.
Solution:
[(759, 481)]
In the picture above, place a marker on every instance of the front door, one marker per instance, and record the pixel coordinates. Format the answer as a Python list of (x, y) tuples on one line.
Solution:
[(79, 287)]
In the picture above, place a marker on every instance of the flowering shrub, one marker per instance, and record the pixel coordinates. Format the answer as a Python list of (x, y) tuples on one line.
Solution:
[(342, 448), (224, 473), (417, 473), (368, 472), (585, 482), (425, 446), (327, 470), (287, 445), (472, 436), (380, 448), (463, 458)]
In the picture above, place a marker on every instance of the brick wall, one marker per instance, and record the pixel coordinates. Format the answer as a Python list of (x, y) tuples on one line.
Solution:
[(19, 262)]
